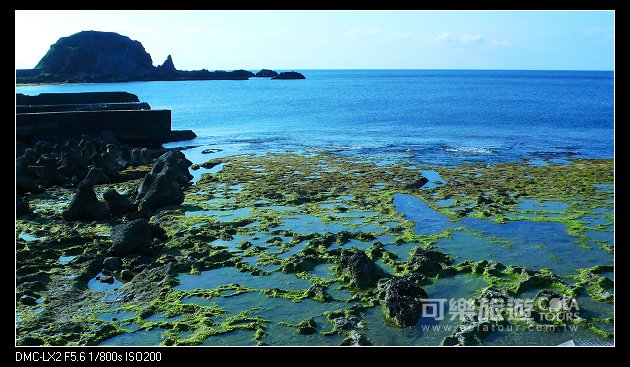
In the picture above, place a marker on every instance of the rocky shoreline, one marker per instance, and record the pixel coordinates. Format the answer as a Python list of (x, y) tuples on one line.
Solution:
[(106, 229)]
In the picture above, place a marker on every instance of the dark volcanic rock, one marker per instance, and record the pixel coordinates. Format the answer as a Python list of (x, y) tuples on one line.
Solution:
[(358, 270), (107, 163), (85, 205), (167, 67), (118, 204), (401, 299), (48, 175), (112, 263), (126, 275), (96, 56), (25, 176), (182, 135), (96, 176), (175, 164), (242, 74), (28, 300), (417, 183), (157, 191), (129, 237), (266, 73), (71, 164), (285, 75), (21, 206), (163, 185)]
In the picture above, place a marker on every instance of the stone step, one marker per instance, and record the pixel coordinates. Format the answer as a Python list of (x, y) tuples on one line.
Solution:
[(75, 98), (82, 107)]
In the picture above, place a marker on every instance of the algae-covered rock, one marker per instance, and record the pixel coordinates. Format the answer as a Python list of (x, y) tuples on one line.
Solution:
[(131, 236), (318, 292), (307, 327), (297, 263), (401, 299), (358, 270), (427, 262), (356, 338), (470, 331), (556, 307), (530, 279)]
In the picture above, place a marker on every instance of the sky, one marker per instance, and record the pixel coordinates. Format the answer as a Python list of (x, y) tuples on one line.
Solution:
[(299, 40)]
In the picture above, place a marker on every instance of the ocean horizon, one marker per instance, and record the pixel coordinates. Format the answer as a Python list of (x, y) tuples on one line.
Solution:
[(442, 117)]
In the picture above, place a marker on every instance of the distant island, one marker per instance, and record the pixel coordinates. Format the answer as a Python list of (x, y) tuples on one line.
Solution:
[(105, 57)]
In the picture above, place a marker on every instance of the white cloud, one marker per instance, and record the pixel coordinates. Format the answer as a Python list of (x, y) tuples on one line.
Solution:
[(443, 37), (597, 30), (502, 43), (468, 39), (471, 38), (378, 32)]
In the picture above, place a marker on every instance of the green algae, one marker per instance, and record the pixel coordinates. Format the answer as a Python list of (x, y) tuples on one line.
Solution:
[(340, 193)]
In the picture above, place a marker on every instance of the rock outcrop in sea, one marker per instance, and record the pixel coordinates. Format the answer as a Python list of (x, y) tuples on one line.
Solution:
[(287, 75), (266, 73)]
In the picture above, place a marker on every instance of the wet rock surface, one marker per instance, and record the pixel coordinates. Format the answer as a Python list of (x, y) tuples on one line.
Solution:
[(401, 299), (132, 236), (358, 270), (428, 262)]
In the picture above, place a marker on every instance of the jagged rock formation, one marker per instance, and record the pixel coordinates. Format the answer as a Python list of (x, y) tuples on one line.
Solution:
[(286, 75)]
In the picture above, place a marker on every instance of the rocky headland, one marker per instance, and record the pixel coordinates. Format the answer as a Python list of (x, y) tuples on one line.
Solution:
[(105, 57)]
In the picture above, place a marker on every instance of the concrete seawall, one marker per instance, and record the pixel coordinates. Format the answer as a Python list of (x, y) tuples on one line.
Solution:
[(129, 126), (122, 114)]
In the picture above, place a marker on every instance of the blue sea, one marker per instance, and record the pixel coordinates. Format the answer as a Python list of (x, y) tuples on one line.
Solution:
[(432, 117)]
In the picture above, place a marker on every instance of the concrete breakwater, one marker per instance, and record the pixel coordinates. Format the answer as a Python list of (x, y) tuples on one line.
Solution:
[(119, 114)]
